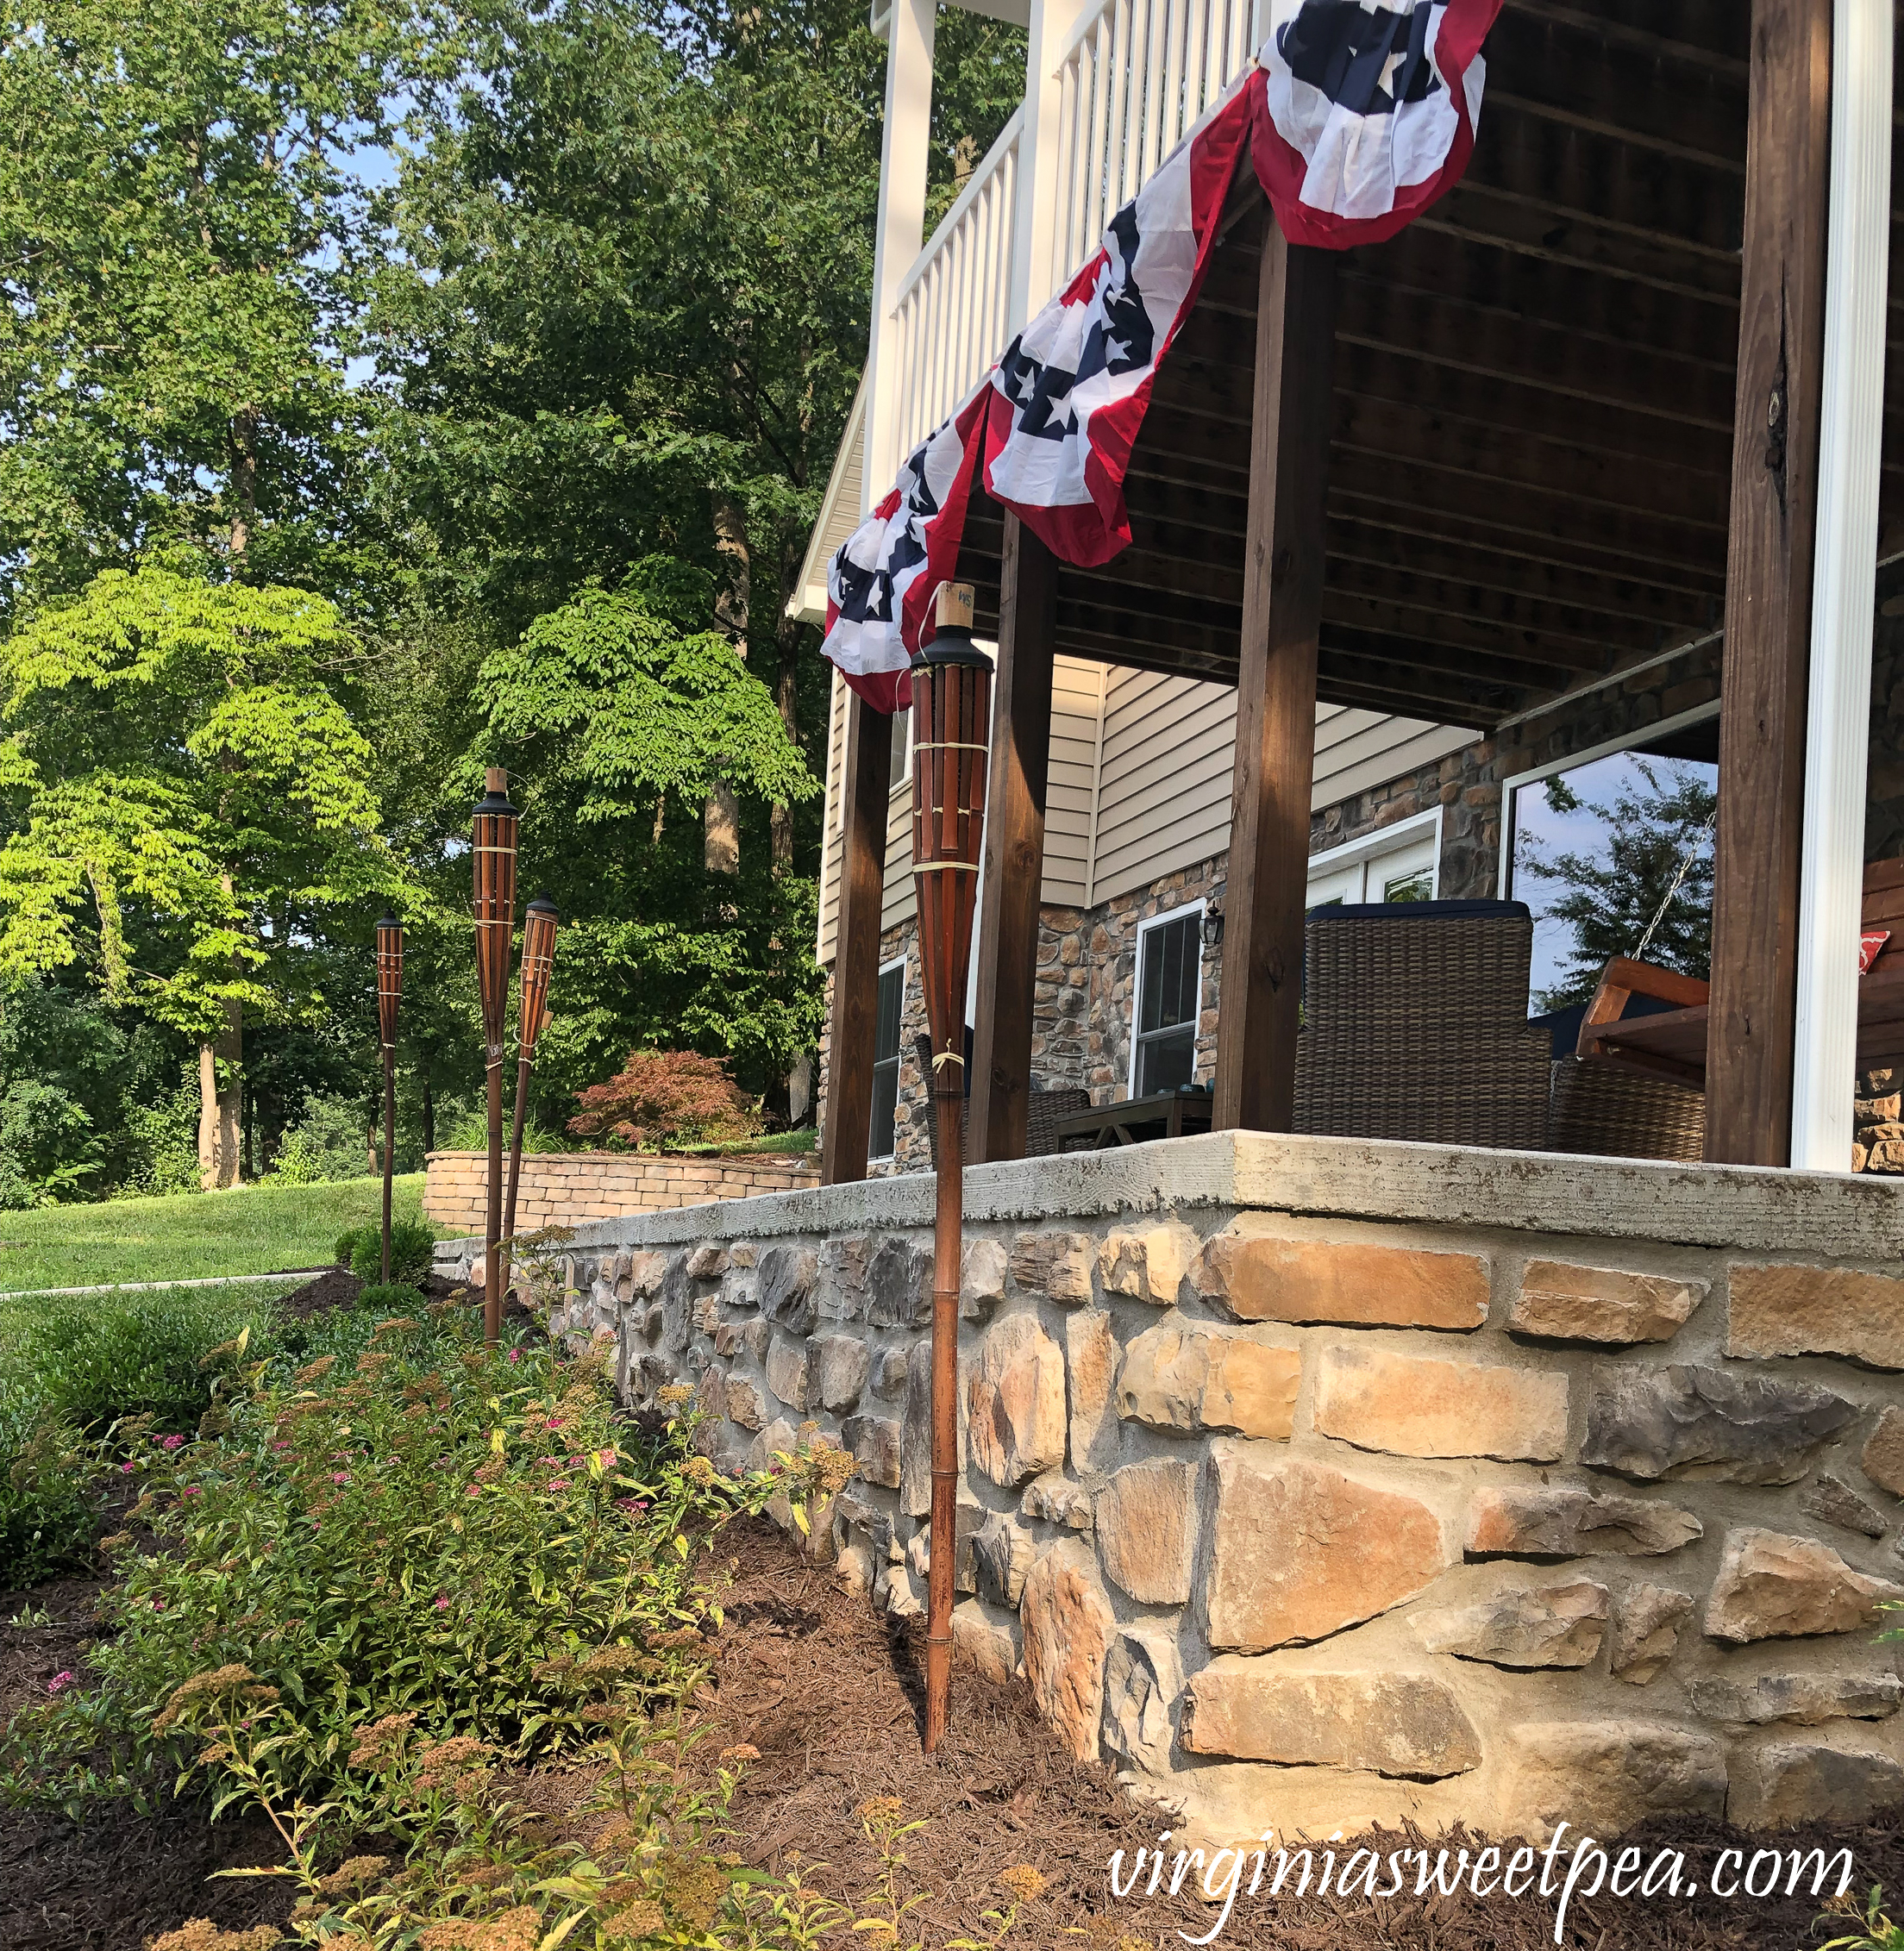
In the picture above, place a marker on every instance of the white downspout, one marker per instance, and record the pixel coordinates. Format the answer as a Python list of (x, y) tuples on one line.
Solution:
[(1837, 715)]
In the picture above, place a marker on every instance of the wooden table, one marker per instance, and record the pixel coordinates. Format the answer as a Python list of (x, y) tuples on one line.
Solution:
[(1164, 1114)]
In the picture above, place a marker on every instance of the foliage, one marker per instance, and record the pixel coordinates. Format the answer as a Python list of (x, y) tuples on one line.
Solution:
[(327, 1143), (434, 1530), (661, 1095), (1877, 1933), (50, 1478), (412, 1242), (1653, 825), (161, 1144)]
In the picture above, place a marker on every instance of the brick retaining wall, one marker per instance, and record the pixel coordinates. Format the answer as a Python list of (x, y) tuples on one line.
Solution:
[(565, 1188), (1321, 1481)]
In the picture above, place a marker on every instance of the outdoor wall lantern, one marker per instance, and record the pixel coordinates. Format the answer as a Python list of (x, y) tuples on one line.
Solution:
[(390, 992), (492, 843), (539, 924), (951, 746)]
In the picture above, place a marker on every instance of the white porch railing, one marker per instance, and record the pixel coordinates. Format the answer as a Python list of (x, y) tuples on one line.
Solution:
[(952, 306), (1136, 77), (1132, 77)]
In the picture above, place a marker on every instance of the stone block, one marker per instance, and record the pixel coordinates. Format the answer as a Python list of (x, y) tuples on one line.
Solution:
[(1150, 1266), (915, 1438), (1567, 1521), (779, 1439), (646, 1271), (1773, 1586), (1416, 1405), (1091, 1374), (1300, 1550), (874, 1440), (742, 1252), (900, 1591), (859, 1512), (898, 1285), (786, 1284), (1605, 1777), (1566, 1303), (1385, 1722), (1014, 1396), (1690, 1421), (854, 1566), (707, 1263), (1807, 1698), (990, 1641), (1558, 1624), (1883, 1460), (1002, 1554), (919, 1553), (1258, 1274), (1054, 1500), (841, 1364), (843, 1262), (1053, 1264), (1146, 1523), (1836, 1502), (710, 1394), (1815, 1311), (889, 1365), (745, 1403), (1068, 1625), (1183, 1376), (789, 1374), (1647, 1621), (981, 1277), (1142, 1682), (1788, 1781)]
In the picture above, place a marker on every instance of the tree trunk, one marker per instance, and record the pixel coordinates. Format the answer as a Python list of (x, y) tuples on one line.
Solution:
[(721, 818), (786, 634), (430, 1113), (244, 481), (221, 1091)]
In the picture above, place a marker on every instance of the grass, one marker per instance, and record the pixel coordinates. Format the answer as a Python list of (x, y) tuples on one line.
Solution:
[(804, 1138), (193, 1236)]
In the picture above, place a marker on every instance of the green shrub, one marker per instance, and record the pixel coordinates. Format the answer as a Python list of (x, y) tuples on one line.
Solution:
[(412, 1244), (435, 1530), (328, 1140), (379, 1299), (50, 1483)]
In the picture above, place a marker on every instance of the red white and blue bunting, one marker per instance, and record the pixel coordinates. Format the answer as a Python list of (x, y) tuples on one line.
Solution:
[(1359, 114)]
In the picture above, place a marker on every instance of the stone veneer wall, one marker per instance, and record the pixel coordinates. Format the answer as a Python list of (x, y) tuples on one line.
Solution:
[(1315, 1482), (569, 1188)]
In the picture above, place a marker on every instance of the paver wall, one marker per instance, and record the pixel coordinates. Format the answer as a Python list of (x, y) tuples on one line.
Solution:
[(1306, 1520), (567, 1188)]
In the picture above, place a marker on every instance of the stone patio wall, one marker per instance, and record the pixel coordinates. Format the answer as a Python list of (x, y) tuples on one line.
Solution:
[(569, 1188), (1313, 1482)]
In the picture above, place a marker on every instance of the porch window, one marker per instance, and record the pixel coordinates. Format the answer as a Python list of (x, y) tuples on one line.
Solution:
[(886, 1060), (1396, 863), (1169, 996)]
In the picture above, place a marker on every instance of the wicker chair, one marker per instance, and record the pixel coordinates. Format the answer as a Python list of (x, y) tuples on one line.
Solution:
[(1603, 1111), (1415, 1025), (1045, 1109)]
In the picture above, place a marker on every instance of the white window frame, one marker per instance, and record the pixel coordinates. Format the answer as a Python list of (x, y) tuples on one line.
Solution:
[(897, 962), (1364, 851), (1628, 741), (1198, 908)]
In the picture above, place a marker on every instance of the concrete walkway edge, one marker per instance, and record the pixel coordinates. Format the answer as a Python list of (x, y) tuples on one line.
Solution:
[(160, 1287)]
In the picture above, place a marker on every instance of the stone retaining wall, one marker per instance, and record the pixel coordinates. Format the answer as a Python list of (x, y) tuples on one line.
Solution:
[(569, 1188), (1315, 1482)]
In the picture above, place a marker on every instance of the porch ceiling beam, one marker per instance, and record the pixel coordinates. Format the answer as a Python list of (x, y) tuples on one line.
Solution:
[(1512, 621), (1656, 47), (1768, 587), (1344, 679), (1421, 651)]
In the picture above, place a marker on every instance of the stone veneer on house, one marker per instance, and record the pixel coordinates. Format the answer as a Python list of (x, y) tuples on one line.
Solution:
[(1318, 1481), (567, 1188)]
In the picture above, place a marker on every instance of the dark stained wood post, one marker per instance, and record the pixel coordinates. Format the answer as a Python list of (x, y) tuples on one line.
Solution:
[(853, 1020), (1014, 848), (1768, 588), (1261, 996)]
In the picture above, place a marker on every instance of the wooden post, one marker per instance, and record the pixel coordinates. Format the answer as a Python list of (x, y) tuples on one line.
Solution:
[(856, 1011), (1014, 848), (1258, 1011), (1768, 588)]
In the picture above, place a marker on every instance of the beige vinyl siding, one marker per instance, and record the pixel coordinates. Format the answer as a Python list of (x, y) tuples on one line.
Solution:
[(839, 515), (1077, 698), (833, 847), (1164, 794)]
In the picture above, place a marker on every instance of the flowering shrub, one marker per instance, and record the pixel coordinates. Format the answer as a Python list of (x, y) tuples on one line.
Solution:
[(666, 1096), (416, 1527)]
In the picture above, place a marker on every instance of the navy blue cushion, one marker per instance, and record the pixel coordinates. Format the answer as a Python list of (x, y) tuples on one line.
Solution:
[(1419, 910)]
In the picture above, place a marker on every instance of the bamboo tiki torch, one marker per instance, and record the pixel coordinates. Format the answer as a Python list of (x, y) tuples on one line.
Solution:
[(951, 723), (389, 991), (492, 842), (539, 922)]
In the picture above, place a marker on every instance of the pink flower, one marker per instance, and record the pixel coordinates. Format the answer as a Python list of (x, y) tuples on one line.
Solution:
[(553, 1423), (631, 1504), (442, 1602), (172, 1442), (339, 1476), (60, 1682), (515, 1355), (558, 1483), (280, 1445), (605, 1457), (472, 1490), (158, 1605), (574, 1463), (191, 1491), (126, 1469)]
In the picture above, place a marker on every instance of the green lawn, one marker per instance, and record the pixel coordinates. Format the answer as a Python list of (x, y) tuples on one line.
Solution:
[(254, 1229)]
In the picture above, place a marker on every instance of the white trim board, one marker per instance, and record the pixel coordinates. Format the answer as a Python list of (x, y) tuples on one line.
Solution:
[(1384, 839), (1199, 907)]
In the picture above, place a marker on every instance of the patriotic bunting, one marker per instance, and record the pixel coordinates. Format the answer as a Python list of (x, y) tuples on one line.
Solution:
[(1359, 114), (1366, 112)]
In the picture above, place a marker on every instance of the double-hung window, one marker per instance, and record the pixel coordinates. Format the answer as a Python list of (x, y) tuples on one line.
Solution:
[(1170, 1001), (886, 1060)]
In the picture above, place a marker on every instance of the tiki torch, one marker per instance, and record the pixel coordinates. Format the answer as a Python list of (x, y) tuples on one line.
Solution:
[(951, 724), (539, 921), (493, 841), (389, 991)]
